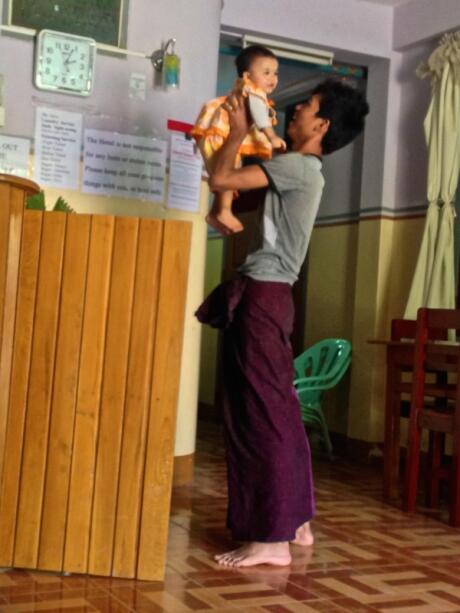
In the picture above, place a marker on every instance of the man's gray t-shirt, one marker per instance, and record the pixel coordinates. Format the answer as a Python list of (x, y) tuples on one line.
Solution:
[(286, 219)]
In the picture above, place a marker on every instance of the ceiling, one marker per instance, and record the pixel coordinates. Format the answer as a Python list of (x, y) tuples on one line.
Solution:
[(387, 2)]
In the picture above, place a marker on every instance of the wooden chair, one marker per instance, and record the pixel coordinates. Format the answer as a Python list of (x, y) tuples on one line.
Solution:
[(435, 407), (400, 362)]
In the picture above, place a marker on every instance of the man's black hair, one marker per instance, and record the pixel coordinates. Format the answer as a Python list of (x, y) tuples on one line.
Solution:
[(244, 59), (345, 107)]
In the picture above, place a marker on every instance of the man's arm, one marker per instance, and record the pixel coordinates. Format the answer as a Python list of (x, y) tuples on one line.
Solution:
[(225, 177)]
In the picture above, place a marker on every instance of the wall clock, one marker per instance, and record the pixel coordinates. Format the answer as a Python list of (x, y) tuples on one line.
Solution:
[(64, 62)]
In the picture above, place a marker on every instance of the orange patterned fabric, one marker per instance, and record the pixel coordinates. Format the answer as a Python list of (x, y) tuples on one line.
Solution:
[(212, 127)]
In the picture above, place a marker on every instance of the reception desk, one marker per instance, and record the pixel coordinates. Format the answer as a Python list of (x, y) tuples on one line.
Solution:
[(91, 326)]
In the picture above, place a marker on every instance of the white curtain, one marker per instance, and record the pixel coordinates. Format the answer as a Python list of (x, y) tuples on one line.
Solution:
[(434, 282)]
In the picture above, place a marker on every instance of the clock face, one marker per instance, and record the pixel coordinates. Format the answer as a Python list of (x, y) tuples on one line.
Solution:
[(65, 62)]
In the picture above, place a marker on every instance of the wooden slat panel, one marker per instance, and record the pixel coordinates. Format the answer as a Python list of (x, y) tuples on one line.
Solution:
[(64, 393), (9, 266), (137, 398), (39, 394), (88, 395), (27, 285), (13, 193), (5, 191), (113, 396), (166, 372)]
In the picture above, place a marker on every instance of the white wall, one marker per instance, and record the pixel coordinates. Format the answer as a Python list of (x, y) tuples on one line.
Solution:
[(418, 20), (109, 107), (410, 177), (350, 25), (418, 26)]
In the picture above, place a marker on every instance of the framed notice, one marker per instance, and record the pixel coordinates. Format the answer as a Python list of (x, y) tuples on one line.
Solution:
[(124, 165), (103, 20), (57, 147)]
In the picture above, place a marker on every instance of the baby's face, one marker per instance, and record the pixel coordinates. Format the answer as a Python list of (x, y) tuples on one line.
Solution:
[(263, 72)]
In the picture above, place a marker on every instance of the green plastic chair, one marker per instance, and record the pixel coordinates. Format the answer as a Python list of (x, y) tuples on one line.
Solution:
[(317, 369)]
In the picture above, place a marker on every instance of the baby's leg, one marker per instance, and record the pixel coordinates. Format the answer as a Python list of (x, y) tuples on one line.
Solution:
[(221, 216)]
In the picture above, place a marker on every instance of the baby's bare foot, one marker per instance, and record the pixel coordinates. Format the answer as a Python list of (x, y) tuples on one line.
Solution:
[(251, 554), (227, 219), (304, 536), (214, 223)]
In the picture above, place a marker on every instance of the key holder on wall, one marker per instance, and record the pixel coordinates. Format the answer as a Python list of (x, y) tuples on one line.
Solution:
[(167, 65)]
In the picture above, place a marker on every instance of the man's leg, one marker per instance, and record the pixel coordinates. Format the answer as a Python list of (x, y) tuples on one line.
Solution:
[(268, 457)]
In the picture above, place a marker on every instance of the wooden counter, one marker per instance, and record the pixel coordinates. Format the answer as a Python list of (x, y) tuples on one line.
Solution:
[(91, 327)]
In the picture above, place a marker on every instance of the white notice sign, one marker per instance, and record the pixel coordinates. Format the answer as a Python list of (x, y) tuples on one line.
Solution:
[(123, 165), (57, 147), (14, 155), (184, 174)]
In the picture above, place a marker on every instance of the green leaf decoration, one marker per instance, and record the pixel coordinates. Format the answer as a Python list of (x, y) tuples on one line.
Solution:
[(36, 202), (62, 205)]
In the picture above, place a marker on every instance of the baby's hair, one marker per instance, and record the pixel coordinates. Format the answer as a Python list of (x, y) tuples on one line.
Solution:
[(244, 59)]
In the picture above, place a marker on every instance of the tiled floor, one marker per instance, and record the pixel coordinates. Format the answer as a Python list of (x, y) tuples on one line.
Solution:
[(368, 556)]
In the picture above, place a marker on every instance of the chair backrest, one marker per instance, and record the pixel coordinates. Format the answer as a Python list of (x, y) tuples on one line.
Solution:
[(433, 324), (407, 328), (403, 328), (435, 357), (438, 319), (326, 361)]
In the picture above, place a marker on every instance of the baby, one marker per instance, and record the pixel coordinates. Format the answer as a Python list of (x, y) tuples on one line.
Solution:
[(257, 70)]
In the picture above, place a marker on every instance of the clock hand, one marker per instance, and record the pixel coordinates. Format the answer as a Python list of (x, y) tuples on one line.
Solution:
[(68, 56), (67, 60)]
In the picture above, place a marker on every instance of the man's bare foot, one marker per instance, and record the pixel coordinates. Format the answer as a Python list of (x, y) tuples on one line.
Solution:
[(226, 219), (251, 554), (304, 535)]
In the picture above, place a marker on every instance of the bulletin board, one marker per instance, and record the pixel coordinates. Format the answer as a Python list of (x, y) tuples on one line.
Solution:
[(104, 20)]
